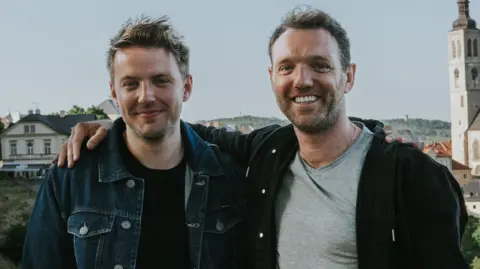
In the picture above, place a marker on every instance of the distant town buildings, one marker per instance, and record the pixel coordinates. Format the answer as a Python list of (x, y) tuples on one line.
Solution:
[(31, 143), (442, 153), (244, 128)]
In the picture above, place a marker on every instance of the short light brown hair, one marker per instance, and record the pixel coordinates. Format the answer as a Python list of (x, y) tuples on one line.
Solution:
[(150, 33), (305, 17)]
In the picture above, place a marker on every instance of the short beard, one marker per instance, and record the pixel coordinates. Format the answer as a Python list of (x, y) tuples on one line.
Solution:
[(321, 123)]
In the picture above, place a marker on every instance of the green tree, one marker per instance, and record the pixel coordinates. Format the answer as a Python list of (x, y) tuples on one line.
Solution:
[(475, 263), (76, 110), (2, 127), (471, 237)]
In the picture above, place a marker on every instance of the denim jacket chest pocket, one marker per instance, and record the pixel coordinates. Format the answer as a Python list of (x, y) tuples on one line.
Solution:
[(90, 238), (224, 235)]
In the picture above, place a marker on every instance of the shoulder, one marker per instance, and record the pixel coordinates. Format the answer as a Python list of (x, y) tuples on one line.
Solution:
[(83, 172), (425, 183), (227, 162)]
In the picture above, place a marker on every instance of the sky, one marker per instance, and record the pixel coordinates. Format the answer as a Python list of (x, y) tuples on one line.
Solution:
[(52, 53)]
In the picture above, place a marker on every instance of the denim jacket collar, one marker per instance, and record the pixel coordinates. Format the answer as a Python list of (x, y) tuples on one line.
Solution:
[(200, 155)]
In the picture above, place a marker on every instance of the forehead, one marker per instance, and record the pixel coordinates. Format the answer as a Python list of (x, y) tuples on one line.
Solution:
[(300, 43), (137, 61)]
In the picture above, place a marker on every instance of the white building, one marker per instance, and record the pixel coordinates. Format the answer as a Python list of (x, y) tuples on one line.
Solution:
[(110, 109), (464, 68), (30, 144)]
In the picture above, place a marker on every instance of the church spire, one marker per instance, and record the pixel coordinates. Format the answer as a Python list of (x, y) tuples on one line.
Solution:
[(464, 21)]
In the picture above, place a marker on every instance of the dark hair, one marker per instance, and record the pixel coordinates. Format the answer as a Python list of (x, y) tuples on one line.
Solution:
[(305, 17), (150, 33)]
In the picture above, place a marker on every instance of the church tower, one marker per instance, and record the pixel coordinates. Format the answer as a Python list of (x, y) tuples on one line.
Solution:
[(464, 69)]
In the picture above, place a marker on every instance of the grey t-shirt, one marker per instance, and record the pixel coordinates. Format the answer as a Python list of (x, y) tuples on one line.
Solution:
[(315, 215)]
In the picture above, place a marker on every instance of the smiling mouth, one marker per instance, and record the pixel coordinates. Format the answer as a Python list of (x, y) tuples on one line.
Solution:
[(305, 99)]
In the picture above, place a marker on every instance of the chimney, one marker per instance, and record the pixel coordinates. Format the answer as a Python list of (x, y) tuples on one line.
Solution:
[(62, 113), (37, 111), (30, 112)]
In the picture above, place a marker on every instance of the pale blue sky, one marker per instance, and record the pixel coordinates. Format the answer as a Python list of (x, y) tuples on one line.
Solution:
[(52, 53)]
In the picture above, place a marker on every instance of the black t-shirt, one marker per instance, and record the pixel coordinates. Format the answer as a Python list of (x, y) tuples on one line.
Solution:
[(163, 235)]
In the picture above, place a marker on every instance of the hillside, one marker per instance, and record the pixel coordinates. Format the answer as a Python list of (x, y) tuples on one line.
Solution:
[(424, 130)]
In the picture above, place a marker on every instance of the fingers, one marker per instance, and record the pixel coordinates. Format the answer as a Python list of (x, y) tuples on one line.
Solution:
[(99, 135), (389, 133), (62, 156), (70, 157)]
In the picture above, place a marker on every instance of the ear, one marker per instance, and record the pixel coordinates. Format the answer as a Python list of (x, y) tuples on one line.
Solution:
[(270, 73), (187, 88), (352, 68), (113, 93)]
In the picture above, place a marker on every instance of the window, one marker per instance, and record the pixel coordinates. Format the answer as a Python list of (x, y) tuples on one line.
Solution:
[(465, 176), (454, 50), (461, 101), (475, 48), (27, 129), (474, 73), (29, 147), (476, 150), (459, 49), (469, 48), (13, 147), (474, 206), (456, 75), (32, 129), (47, 145)]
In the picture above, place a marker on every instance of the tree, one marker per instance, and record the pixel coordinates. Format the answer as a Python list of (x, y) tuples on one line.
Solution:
[(2, 127), (470, 242), (76, 110)]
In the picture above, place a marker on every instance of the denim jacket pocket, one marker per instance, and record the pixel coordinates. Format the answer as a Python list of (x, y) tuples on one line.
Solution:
[(224, 235), (89, 230)]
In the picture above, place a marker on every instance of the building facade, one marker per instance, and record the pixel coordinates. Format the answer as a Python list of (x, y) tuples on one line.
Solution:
[(464, 67), (30, 144)]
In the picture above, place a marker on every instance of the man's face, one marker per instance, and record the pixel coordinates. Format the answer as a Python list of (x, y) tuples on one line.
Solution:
[(149, 89), (308, 80)]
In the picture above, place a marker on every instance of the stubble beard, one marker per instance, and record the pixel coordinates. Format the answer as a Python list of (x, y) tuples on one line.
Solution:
[(320, 123)]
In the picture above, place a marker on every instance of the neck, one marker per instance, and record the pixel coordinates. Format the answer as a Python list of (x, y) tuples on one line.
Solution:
[(161, 155), (322, 149)]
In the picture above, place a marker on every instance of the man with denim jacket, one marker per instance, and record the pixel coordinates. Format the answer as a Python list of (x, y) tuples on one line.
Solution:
[(153, 194)]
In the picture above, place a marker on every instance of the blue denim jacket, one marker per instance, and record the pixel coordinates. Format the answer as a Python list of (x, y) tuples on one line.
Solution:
[(88, 216)]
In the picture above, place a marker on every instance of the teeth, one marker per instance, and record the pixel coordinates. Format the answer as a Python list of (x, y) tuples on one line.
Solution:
[(305, 99)]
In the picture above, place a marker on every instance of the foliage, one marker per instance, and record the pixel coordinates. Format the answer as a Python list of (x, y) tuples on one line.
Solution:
[(2, 127), (471, 239), (16, 203), (76, 110)]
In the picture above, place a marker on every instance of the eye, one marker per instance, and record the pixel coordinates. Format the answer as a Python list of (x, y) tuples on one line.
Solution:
[(130, 85), (161, 81), (321, 67), (285, 68)]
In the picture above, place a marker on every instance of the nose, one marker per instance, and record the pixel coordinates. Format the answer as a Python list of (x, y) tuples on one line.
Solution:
[(147, 94), (303, 77)]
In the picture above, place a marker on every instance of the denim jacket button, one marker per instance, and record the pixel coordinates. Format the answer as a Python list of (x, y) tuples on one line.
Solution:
[(83, 230), (220, 225), (126, 224), (130, 183), (118, 266)]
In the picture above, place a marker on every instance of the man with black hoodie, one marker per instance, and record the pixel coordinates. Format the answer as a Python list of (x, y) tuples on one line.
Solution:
[(325, 191)]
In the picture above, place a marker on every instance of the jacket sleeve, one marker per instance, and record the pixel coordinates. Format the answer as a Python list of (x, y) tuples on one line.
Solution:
[(235, 143), (436, 215), (47, 243)]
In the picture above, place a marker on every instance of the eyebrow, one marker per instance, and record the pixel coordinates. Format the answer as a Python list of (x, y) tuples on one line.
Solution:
[(311, 57), (128, 77)]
